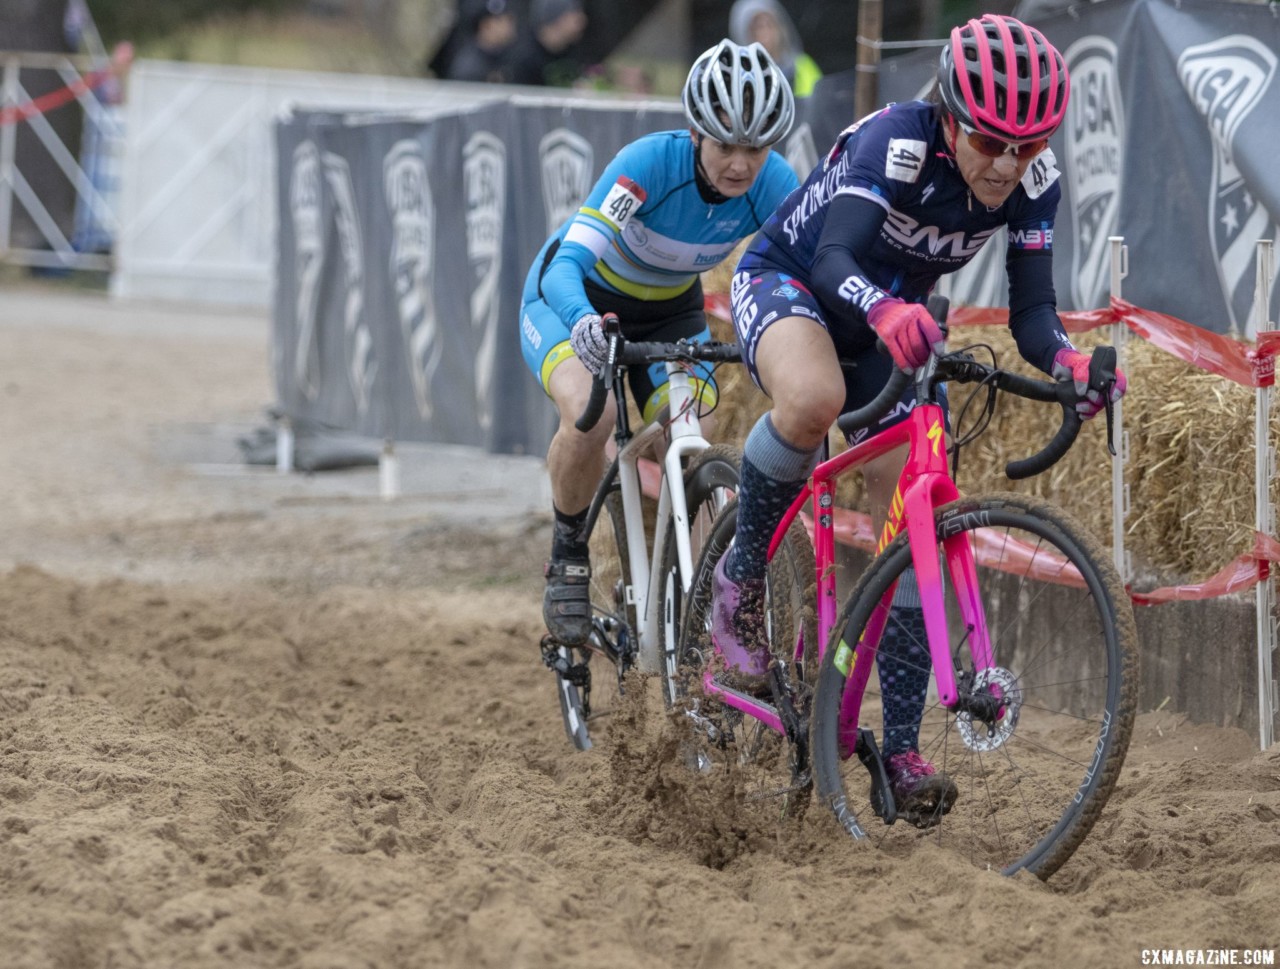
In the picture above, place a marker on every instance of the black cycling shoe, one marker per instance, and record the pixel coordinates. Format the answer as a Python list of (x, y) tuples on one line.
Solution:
[(566, 605)]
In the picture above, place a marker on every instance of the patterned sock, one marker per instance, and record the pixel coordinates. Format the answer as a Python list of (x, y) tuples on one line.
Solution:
[(567, 541), (903, 664), (773, 473)]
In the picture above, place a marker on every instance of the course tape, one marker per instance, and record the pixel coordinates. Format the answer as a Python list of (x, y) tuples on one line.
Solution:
[(121, 57), (1243, 363)]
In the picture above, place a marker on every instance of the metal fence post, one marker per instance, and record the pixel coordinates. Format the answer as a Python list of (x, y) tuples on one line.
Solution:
[(1264, 470), (1119, 490)]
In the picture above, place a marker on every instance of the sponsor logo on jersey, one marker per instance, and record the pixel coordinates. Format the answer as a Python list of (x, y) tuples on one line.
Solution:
[(1095, 141), (361, 365), (412, 211), (861, 293), (786, 291), (308, 259), (1226, 79), (566, 160), (1031, 238), (813, 199), (484, 178), (904, 159), (929, 241)]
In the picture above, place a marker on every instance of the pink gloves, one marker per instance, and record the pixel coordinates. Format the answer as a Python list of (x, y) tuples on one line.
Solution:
[(908, 331), (1074, 364)]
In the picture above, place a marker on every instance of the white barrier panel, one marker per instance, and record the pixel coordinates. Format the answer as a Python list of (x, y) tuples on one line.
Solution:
[(198, 184)]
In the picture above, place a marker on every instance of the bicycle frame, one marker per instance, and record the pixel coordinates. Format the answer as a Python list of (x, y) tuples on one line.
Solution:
[(682, 435), (924, 484)]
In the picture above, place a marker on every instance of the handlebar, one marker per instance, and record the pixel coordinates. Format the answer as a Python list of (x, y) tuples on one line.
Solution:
[(624, 353), (963, 368)]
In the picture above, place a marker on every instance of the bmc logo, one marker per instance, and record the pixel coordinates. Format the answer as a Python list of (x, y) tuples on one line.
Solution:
[(1031, 238)]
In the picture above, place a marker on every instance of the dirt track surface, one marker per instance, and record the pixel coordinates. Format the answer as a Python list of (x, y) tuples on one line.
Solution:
[(248, 720)]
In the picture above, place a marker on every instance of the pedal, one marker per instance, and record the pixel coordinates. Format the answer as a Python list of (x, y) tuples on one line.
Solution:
[(881, 793)]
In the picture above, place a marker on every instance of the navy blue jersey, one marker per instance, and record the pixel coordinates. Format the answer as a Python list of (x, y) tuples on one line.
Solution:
[(888, 213)]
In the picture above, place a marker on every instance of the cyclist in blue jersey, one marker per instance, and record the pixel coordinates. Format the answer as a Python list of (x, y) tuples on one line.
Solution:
[(668, 207), (907, 194)]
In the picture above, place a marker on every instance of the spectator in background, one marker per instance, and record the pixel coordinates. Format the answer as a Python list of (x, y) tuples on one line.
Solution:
[(486, 48), (545, 55), (766, 23)]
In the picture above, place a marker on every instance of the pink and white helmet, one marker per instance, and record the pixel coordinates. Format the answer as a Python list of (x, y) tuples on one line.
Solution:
[(1003, 78)]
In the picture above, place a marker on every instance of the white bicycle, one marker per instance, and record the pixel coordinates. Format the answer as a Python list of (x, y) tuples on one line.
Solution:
[(642, 571)]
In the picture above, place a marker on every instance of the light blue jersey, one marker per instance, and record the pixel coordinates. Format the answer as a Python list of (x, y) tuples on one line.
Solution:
[(645, 230), (639, 243)]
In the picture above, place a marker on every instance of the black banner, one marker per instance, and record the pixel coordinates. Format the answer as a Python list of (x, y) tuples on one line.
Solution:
[(1170, 142)]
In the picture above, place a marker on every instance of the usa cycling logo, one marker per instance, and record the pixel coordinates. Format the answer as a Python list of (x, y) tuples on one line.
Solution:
[(484, 180), (1226, 79), (360, 363), (566, 175), (1095, 135), (412, 210), (308, 260)]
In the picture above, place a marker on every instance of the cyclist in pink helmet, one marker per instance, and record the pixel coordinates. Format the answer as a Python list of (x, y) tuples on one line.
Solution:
[(990, 59), (906, 195)]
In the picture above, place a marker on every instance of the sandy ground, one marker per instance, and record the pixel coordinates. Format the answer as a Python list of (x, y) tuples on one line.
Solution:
[(259, 720)]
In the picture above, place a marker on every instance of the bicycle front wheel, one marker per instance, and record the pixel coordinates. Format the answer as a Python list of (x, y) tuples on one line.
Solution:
[(1036, 742)]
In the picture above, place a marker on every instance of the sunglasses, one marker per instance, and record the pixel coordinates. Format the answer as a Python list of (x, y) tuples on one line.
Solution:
[(991, 147)]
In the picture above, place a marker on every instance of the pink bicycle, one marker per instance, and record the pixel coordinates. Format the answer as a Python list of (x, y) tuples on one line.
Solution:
[(1031, 642)]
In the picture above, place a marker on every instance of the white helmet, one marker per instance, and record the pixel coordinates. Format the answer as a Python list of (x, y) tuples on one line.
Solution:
[(737, 95)]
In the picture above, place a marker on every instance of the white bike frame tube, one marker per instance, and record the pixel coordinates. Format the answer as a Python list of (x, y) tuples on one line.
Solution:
[(683, 437)]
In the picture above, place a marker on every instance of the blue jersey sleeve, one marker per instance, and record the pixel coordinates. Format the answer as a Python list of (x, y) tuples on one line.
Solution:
[(1033, 313), (615, 198)]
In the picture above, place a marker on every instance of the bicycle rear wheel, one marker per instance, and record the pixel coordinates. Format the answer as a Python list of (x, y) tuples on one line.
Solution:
[(772, 767), (1034, 769)]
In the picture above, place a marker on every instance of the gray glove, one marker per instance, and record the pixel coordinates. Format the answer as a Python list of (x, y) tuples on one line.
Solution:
[(589, 342)]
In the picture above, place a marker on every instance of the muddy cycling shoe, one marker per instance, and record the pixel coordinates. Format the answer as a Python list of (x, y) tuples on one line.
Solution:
[(566, 603), (921, 793), (737, 630)]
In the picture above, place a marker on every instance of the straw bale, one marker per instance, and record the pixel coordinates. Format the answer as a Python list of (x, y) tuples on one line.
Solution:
[(1191, 458)]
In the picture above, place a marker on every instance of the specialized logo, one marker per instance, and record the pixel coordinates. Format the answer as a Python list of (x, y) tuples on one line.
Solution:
[(357, 338), (484, 185), (904, 159), (815, 197), (412, 211), (1095, 144), (929, 242), (800, 151), (1226, 79), (308, 248), (566, 175)]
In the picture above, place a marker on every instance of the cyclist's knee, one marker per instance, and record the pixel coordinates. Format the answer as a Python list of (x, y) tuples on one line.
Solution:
[(803, 412)]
